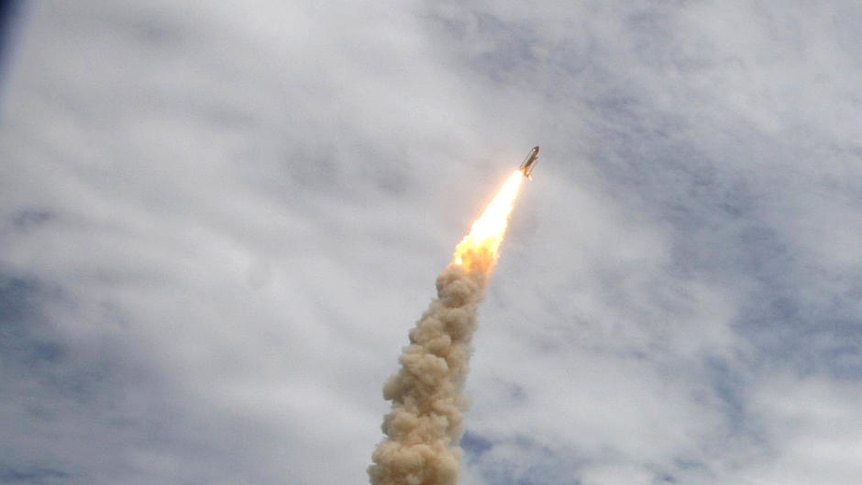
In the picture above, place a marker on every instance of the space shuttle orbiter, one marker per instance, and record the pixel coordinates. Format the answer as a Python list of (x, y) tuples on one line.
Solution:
[(527, 166)]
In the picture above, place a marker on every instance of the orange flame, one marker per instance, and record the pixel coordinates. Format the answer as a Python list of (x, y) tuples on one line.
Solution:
[(480, 248)]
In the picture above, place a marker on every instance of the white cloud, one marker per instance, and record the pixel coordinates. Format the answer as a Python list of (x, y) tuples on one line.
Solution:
[(812, 422), (218, 223)]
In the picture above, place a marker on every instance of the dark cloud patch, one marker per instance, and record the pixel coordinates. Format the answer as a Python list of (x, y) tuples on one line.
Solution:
[(35, 348), (12, 15), (69, 395), (791, 333), (26, 219), (743, 433), (541, 463), (30, 346), (34, 476), (18, 301), (16, 224), (475, 445)]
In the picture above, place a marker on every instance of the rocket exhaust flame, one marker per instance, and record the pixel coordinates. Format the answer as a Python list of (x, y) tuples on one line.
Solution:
[(425, 424), (481, 246)]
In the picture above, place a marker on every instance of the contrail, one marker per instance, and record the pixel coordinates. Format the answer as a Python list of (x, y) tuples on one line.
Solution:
[(425, 424)]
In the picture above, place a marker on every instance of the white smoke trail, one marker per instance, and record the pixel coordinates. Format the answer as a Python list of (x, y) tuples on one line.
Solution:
[(425, 424)]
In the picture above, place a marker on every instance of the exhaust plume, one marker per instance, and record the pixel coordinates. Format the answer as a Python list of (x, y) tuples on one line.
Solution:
[(425, 424)]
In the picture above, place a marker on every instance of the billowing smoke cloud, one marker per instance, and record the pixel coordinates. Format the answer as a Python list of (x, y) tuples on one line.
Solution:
[(425, 425)]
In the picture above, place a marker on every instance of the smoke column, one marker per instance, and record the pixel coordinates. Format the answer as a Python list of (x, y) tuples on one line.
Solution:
[(425, 424)]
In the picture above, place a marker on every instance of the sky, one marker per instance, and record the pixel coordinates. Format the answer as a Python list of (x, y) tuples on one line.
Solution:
[(218, 222)]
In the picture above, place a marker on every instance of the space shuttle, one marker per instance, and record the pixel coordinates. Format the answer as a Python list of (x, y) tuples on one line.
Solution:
[(527, 167)]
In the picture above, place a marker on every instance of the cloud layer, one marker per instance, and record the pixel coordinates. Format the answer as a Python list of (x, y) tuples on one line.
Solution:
[(202, 206)]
